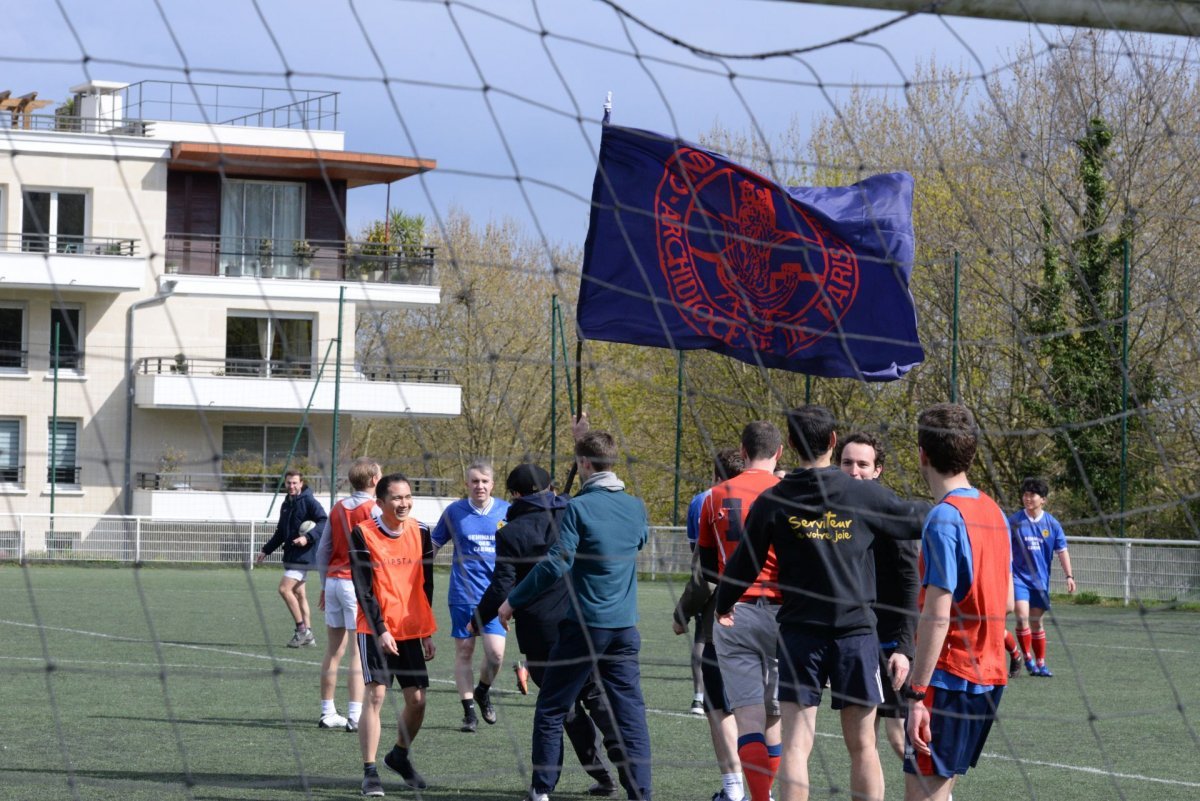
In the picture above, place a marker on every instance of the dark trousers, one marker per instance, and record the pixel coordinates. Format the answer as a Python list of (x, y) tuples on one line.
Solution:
[(588, 714), (610, 655)]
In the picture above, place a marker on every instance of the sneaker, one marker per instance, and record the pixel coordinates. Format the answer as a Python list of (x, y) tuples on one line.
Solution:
[(486, 710), (1044, 672), (351, 725), (536, 796), (407, 772), (522, 677), (1014, 665), (309, 638), (698, 708), (469, 724), (332, 721), (297, 639), (603, 789), (372, 785), (1032, 667)]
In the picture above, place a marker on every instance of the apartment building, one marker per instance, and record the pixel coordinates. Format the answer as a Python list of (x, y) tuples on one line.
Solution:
[(177, 284)]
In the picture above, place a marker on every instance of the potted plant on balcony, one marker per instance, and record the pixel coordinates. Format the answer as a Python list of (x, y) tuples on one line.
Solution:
[(169, 465), (302, 254), (266, 250), (181, 364)]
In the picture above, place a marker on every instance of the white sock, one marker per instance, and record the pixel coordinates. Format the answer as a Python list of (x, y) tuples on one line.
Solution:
[(354, 711), (732, 784), (328, 707), (698, 697)]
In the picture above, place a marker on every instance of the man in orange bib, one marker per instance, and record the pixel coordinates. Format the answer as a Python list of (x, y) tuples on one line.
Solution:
[(391, 562)]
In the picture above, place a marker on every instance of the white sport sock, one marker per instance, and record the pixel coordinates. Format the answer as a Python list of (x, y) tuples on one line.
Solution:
[(732, 784), (698, 697), (328, 707), (354, 711)]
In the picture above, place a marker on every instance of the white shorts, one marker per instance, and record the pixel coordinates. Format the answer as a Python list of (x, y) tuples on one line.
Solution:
[(341, 605), (746, 654), (296, 575)]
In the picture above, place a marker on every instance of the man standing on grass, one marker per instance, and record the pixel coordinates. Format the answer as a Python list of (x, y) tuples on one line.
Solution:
[(301, 519), (601, 533), (471, 524), (337, 595), (861, 455), (821, 524), (391, 562), (959, 672)]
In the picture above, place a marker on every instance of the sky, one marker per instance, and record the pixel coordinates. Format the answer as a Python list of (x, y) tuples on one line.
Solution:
[(507, 95)]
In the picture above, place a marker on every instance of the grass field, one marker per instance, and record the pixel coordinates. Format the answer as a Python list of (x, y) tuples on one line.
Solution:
[(174, 684)]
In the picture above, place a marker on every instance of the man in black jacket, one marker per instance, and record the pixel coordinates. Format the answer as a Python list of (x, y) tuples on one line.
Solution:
[(301, 520), (530, 528)]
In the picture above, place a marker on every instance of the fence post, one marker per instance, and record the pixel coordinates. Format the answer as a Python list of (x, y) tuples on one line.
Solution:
[(654, 555), (1128, 570), (250, 550), (20, 539), (137, 540)]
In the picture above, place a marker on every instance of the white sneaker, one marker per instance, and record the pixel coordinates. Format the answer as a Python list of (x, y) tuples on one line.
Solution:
[(332, 721)]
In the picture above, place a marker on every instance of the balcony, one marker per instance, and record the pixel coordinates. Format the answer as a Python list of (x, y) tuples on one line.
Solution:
[(215, 496), (78, 263), (268, 385)]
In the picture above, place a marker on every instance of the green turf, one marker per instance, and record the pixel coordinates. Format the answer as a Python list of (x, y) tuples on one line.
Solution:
[(174, 684)]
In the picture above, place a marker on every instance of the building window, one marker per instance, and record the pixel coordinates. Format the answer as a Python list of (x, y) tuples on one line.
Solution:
[(252, 457), (11, 469), (68, 320), (269, 346), (64, 465), (53, 222), (14, 355), (260, 224)]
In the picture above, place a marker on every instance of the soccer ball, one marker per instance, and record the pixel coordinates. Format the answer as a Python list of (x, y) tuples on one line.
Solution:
[(307, 526)]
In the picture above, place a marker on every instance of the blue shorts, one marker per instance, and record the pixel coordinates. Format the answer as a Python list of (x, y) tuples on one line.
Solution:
[(460, 616), (1038, 599), (850, 664), (959, 724)]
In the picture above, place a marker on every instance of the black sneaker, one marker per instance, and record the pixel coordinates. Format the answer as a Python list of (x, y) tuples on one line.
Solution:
[(401, 765), (1014, 665), (469, 724), (372, 785), (603, 789), (484, 702)]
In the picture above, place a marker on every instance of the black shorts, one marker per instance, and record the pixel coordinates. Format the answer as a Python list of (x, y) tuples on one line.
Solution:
[(893, 706), (714, 685), (407, 668)]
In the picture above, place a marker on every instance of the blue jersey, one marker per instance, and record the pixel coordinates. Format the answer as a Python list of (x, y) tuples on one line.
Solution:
[(474, 535), (693, 517), (1034, 545)]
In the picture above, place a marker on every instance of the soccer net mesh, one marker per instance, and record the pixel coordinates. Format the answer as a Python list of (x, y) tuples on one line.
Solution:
[(1054, 281)]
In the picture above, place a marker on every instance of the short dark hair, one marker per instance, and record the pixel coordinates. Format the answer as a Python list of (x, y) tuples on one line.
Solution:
[(1036, 485), (728, 463), (599, 448), (810, 428), (291, 473), (761, 439), (948, 435), (385, 483), (863, 438)]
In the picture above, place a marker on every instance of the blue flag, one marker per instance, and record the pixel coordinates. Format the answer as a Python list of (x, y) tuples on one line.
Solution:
[(687, 250)]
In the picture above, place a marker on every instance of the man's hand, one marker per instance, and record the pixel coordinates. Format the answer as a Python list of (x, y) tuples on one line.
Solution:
[(471, 628), (321, 600), (259, 557), (898, 666), (301, 541), (678, 627), (726, 619), (918, 726), (388, 643), (428, 648), (580, 426), (505, 614), (1071, 586)]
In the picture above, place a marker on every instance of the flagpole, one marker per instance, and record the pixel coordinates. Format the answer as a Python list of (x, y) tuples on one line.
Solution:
[(678, 435), (553, 386)]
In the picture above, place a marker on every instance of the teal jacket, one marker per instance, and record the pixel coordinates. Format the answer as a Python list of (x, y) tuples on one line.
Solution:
[(601, 533)]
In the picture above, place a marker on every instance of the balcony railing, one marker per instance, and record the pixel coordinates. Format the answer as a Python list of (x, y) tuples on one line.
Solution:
[(63, 475), (68, 244), (269, 482), (228, 104), (12, 474), (67, 124), (68, 359), (14, 359), (303, 259), (281, 368)]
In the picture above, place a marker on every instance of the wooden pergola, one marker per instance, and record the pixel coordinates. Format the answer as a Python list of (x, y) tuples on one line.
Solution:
[(21, 107)]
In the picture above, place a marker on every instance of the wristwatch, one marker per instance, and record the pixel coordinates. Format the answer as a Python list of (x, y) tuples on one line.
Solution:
[(914, 692)]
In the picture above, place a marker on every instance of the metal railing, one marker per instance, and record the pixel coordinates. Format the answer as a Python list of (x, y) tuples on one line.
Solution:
[(231, 104), (300, 259), (12, 474), (69, 124), (269, 482), (64, 475), (180, 364), (68, 244), (14, 359), (67, 359)]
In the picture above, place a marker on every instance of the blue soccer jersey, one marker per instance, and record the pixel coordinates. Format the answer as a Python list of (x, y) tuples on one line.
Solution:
[(1034, 544), (474, 535), (693, 516)]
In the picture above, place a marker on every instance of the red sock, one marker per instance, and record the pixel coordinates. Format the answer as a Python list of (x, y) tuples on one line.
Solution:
[(756, 768), (1039, 646), (1023, 637), (1010, 643), (773, 760)]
